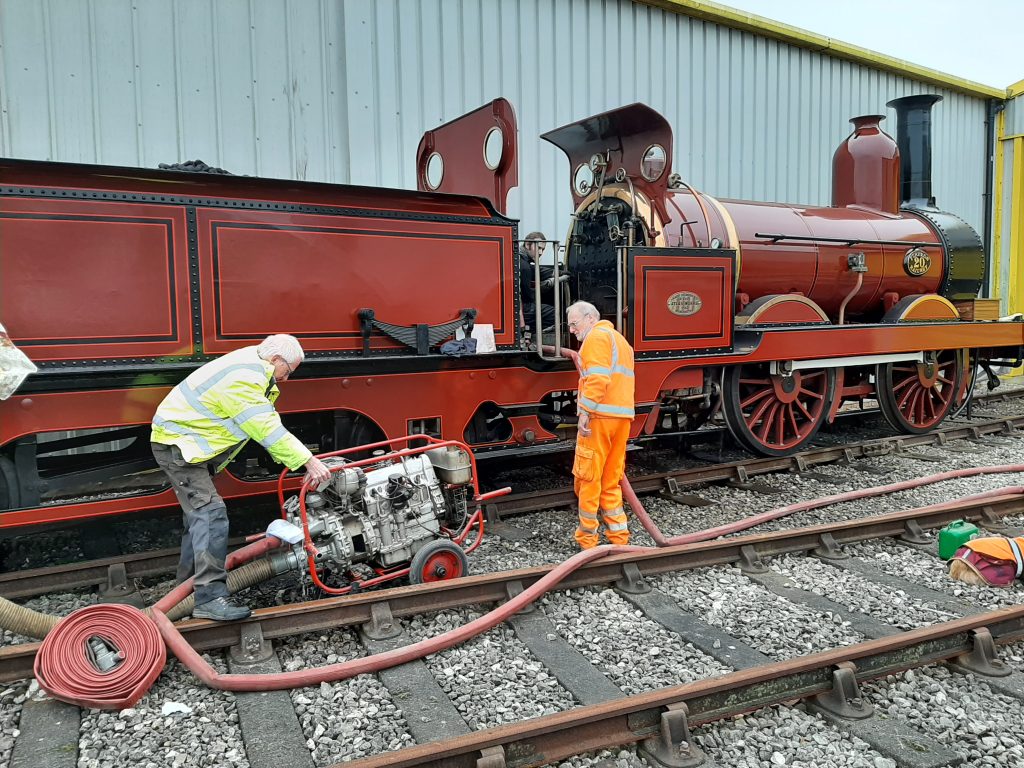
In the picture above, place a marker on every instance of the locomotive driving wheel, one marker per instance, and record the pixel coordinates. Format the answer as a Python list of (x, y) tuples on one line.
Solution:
[(438, 561), (916, 397), (772, 414)]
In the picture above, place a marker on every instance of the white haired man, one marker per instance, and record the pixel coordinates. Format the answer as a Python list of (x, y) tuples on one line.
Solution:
[(199, 427), (605, 407)]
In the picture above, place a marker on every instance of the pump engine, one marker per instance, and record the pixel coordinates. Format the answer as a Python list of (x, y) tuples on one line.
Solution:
[(381, 513)]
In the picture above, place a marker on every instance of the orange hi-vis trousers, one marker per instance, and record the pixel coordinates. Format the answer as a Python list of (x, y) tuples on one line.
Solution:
[(598, 468)]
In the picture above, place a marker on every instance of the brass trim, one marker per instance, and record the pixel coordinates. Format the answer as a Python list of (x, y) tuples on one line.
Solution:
[(730, 228)]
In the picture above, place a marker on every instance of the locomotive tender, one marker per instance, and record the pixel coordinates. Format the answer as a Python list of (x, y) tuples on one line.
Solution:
[(117, 282)]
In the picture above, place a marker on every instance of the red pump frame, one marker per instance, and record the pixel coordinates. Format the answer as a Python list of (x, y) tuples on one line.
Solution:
[(475, 520)]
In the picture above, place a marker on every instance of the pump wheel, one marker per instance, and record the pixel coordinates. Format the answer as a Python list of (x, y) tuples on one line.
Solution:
[(916, 397), (438, 561), (775, 415)]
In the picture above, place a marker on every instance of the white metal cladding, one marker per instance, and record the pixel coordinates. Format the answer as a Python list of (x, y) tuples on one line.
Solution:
[(341, 91)]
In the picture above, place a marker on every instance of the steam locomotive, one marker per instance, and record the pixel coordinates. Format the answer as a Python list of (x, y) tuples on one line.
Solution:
[(120, 281)]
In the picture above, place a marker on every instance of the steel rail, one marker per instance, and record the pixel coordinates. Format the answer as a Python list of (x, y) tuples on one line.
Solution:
[(89, 573), (521, 503), (635, 718), (353, 610), (37, 581)]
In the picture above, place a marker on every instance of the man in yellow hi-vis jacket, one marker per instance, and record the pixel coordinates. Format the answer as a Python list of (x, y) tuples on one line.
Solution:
[(198, 428), (605, 408)]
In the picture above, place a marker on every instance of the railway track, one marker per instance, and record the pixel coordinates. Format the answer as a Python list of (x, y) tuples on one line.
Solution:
[(115, 574), (603, 716), (314, 726)]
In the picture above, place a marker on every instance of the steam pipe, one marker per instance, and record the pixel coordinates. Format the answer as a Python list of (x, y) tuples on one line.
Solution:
[(850, 295)]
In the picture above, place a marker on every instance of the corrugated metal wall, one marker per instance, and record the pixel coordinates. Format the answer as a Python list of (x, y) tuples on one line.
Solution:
[(341, 91)]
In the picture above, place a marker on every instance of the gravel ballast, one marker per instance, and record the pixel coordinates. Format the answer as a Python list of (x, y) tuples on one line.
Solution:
[(345, 720)]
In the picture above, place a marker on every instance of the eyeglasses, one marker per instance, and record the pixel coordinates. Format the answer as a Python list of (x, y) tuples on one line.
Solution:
[(574, 324), (290, 369)]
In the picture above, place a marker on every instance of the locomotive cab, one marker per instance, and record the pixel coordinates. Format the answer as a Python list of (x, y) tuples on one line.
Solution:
[(664, 298)]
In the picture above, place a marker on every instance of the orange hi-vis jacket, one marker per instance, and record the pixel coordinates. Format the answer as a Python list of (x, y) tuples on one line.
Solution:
[(1000, 548), (607, 384)]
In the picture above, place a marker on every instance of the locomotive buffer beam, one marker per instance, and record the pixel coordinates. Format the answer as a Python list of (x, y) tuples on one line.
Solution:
[(845, 241), (420, 336)]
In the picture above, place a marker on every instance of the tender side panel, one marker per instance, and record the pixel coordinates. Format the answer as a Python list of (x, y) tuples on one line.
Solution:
[(86, 280), (309, 275), (681, 301)]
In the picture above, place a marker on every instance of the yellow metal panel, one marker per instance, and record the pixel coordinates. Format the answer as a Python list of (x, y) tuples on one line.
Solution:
[(1015, 291), (1015, 294), (997, 210), (749, 22)]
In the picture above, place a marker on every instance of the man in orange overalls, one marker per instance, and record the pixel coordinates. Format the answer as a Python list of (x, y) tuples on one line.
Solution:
[(605, 409)]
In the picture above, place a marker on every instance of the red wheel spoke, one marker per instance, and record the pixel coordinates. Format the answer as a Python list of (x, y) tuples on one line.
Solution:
[(811, 393), (922, 404), (914, 406), (907, 382), (766, 424), (908, 395), (757, 415), (759, 383), (755, 397), (803, 408), (928, 402), (792, 420)]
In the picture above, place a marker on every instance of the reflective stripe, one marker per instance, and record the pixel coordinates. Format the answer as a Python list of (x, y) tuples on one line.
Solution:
[(274, 436), (192, 395), (588, 515), (174, 429), (617, 526), (616, 368), (600, 369), (202, 388), (1017, 556), (621, 410), (192, 399), (253, 410)]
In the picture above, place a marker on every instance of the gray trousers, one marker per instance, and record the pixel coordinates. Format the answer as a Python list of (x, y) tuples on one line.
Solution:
[(204, 545)]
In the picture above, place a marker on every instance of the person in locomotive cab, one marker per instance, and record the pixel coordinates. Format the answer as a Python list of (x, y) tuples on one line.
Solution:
[(605, 409), (533, 248), (199, 427)]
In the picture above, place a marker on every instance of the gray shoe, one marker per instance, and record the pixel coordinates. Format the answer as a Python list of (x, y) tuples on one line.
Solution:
[(220, 609)]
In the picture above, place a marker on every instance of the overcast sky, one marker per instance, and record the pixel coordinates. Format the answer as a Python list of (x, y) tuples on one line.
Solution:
[(980, 40)]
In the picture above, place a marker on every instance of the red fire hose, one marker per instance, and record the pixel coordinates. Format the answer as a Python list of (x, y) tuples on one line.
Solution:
[(774, 514), (63, 669)]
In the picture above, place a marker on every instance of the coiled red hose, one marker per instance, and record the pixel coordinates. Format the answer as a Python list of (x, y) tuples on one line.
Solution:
[(879, 490), (64, 670)]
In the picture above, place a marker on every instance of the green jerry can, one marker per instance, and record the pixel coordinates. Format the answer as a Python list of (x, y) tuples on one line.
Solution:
[(954, 536)]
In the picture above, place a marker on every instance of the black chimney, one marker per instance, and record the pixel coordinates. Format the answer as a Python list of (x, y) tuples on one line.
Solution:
[(914, 139)]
